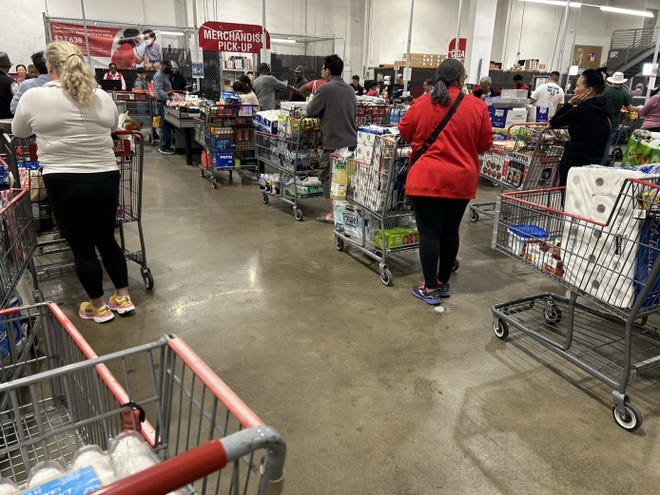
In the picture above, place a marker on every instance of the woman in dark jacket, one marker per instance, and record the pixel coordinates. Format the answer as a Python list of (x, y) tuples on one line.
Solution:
[(444, 179), (588, 122)]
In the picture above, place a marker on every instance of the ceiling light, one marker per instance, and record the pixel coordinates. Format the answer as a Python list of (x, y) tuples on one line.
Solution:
[(617, 10), (172, 33), (282, 40), (556, 3)]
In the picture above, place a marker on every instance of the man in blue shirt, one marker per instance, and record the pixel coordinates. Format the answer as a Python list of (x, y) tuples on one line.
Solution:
[(163, 88), (40, 63)]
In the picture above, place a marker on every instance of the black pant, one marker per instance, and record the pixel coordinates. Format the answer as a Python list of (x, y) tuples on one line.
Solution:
[(438, 220), (85, 207)]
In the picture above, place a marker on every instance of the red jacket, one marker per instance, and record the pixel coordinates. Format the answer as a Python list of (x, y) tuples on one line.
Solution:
[(450, 167)]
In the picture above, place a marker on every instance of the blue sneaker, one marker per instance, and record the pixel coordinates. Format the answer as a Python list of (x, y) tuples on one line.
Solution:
[(443, 289), (432, 298)]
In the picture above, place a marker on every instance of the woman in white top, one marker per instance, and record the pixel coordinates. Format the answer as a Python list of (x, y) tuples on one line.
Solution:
[(73, 121)]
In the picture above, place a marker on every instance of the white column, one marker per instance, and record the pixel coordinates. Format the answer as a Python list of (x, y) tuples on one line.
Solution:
[(479, 38)]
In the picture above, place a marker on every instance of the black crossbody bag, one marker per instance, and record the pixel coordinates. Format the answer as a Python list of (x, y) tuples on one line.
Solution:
[(431, 139)]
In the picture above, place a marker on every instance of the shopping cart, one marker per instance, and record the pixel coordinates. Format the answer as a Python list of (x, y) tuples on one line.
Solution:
[(376, 220), (529, 161), (139, 108), (17, 242), (294, 155), (52, 254), (613, 265), (208, 440)]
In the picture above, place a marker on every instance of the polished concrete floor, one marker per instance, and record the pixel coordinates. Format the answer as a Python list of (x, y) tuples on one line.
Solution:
[(373, 391)]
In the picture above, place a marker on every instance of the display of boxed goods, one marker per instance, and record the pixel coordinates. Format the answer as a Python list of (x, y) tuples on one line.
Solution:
[(351, 221), (297, 109), (593, 192), (537, 113), (266, 121), (505, 117), (370, 113), (366, 137), (397, 237), (222, 159), (643, 148), (492, 162), (309, 186)]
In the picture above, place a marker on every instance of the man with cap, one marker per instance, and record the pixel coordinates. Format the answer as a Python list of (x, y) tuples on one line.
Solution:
[(617, 97), (301, 80), (8, 87), (265, 87)]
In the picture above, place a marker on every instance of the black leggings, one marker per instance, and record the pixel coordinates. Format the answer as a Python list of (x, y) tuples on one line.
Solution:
[(438, 220), (85, 208)]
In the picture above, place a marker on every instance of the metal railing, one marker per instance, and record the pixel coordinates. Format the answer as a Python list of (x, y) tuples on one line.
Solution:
[(633, 38)]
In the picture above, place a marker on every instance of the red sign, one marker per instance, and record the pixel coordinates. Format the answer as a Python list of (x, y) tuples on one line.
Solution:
[(462, 46), (227, 37), (101, 39)]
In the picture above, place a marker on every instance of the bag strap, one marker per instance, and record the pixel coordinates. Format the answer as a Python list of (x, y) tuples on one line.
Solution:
[(434, 135)]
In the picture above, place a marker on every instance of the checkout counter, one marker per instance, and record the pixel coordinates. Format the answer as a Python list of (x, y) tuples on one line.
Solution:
[(183, 124)]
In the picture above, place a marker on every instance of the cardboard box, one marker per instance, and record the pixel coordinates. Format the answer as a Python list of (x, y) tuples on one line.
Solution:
[(506, 117)]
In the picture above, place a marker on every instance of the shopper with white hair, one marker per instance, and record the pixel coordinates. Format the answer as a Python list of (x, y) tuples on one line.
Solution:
[(486, 88)]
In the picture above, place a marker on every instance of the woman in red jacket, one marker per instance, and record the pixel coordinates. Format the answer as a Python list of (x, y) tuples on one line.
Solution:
[(443, 179)]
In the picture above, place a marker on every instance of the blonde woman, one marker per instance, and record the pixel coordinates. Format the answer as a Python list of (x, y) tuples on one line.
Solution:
[(72, 120)]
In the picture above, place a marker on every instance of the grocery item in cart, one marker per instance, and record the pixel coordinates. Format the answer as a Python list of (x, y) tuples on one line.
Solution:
[(606, 262), (7, 487), (92, 456)]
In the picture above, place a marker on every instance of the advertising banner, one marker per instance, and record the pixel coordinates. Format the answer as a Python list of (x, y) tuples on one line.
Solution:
[(462, 46), (129, 48), (228, 37)]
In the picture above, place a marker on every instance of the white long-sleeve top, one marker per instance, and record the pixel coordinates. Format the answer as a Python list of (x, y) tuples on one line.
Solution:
[(71, 138)]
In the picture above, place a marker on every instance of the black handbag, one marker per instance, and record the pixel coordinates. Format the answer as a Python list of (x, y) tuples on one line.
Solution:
[(403, 175)]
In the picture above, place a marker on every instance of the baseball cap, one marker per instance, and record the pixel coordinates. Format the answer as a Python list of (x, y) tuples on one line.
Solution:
[(4, 60), (264, 67), (300, 68)]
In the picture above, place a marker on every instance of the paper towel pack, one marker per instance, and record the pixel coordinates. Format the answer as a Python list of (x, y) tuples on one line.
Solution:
[(602, 261)]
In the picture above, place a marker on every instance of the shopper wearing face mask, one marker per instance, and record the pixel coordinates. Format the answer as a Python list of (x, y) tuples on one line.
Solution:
[(163, 89), (588, 122), (150, 50)]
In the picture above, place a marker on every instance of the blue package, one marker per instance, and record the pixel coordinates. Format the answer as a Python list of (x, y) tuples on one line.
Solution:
[(649, 244), (80, 482)]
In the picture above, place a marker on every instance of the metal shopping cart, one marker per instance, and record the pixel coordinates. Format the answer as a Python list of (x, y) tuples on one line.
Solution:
[(376, 219), (294, 154), (529, 161), (612, 264), (52, 254), (17, 242), (207, 439)]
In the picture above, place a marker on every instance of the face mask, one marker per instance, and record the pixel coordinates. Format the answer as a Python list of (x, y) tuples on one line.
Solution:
[(150, 41)]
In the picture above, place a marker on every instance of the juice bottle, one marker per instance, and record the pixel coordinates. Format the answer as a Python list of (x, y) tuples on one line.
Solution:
[(339, 181)]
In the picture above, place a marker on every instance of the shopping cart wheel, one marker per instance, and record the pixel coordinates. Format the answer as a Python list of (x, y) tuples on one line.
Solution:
[(264, 198), (630, 420), (500, 329), (38, 296), (552, 313), (214, 183), (147, 278), (474, 216), (494, 184), (455, 265), (297, 213), (339, 243), (386, 275)]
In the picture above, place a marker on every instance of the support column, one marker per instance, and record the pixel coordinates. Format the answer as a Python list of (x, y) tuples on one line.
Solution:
[(480, 38)]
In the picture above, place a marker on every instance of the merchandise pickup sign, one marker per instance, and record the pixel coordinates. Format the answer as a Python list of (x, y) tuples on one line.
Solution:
[(226, 37)]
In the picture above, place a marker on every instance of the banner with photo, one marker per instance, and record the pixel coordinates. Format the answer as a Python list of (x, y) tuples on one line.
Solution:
[(129, 48)]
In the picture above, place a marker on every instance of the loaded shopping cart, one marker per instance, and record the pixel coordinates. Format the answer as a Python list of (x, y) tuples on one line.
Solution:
[(375, 219), (226, 133), (140, 109), (149, 419), (52, 254), (528, 161), (292, 156), (611, 260), (18, 241)]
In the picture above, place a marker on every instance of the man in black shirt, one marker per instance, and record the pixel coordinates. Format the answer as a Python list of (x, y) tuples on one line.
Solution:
[(177, 79), (359, 90), (300, 81), (8, 87)]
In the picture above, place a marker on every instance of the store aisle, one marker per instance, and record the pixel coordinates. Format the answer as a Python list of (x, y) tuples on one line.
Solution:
[(373, 391)]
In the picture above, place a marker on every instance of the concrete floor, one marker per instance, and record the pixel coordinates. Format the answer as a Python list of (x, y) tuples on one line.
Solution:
[(373, 391)]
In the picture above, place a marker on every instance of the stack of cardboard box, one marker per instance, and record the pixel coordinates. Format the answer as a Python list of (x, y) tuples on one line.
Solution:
[(421, 60)]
